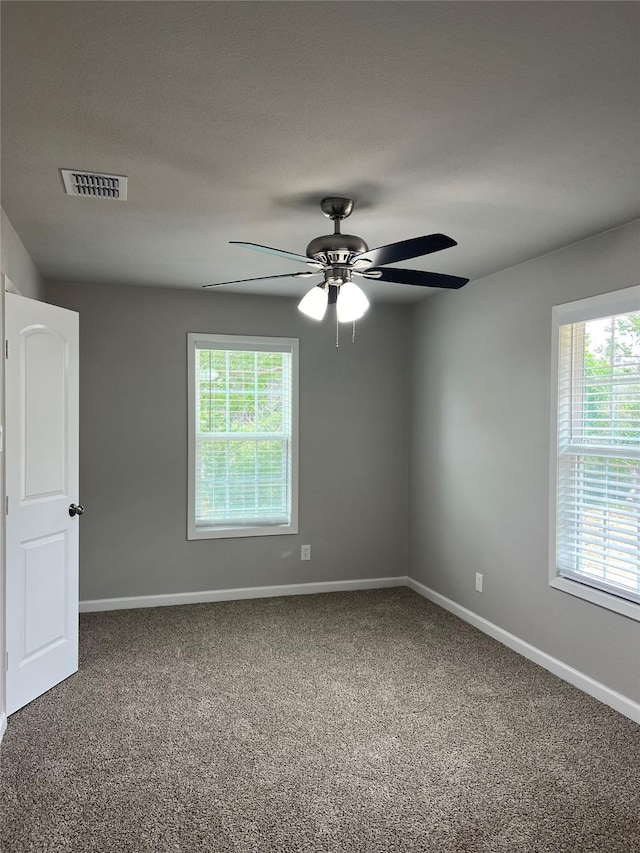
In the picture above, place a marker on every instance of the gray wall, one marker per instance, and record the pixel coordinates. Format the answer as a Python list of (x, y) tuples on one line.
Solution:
[(133, 443), (479, 451)]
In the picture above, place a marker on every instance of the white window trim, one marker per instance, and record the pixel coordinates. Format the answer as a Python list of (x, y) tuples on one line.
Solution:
[(292, 345), (616, 302)]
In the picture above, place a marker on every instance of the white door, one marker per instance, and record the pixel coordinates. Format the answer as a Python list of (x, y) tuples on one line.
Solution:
[(42, 482)]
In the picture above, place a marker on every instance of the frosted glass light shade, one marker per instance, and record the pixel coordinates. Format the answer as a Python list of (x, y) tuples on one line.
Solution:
[(352, 303), (314, 304)]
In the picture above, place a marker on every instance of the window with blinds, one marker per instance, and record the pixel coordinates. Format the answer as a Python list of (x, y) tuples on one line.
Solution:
[(597, 470), (243, 441)]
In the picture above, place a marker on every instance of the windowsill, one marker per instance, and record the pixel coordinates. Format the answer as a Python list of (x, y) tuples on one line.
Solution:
[(597, 596), (238, 532)]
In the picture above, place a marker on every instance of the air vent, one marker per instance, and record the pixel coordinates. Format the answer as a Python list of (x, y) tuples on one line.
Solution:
[(94, 184)]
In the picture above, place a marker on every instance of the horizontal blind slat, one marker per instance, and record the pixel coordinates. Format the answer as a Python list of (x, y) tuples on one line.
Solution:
[(585, 550)]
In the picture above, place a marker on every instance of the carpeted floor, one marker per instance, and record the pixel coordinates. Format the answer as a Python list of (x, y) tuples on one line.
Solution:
[(360, 722)]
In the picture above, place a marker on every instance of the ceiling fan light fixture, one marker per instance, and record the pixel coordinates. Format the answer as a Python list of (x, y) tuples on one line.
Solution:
[(352, 303), (314, 303)]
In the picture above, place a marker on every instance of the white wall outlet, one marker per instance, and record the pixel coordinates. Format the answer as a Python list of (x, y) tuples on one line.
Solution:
[(479, 579), (305, 552)]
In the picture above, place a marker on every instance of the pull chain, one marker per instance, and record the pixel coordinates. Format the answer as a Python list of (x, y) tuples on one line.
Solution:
[(337, 333), (353, 333)]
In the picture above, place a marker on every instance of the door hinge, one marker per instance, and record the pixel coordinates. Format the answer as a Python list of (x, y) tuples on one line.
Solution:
[(6, 504), (6, 348), (6, 662)]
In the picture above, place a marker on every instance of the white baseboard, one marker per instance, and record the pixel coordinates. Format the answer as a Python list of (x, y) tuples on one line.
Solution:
[(583, 682), (3, 725), (234, 594)]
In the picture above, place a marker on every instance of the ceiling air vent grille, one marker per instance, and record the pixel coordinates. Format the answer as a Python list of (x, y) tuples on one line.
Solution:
[(94, 184)]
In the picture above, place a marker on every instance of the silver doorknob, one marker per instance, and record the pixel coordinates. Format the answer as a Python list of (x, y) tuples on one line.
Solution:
[(76, 510)]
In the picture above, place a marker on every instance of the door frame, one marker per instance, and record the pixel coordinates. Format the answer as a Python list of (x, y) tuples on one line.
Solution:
[(5, 285)]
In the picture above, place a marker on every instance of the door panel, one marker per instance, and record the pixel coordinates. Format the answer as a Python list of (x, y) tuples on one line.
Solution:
[(45, 378), (44, 581), (42, 481)]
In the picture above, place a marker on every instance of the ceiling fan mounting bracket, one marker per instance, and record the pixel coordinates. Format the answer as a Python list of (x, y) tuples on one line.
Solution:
[(335, 207)]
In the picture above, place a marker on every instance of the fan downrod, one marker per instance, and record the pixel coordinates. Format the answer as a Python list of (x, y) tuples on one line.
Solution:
[(336, 248)]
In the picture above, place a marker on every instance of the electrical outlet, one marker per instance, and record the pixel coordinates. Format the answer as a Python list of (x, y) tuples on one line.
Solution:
[(479, 579), (305, 552)]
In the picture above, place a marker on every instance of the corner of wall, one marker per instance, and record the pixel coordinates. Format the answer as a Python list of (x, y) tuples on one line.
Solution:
[(16, 263)]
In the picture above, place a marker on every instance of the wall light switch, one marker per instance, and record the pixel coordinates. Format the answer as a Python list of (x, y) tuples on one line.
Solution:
[(479, 579), (305, 552)]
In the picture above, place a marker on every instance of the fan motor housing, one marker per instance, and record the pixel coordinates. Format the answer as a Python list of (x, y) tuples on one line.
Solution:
[(338, 245)]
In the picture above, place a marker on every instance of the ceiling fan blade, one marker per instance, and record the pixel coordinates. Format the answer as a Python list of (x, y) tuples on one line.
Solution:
[(417, 277), (264, 278), (291, 256), (406, 249)]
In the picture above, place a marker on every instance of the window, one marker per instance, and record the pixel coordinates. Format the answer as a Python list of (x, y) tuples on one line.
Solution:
[(595, 530), (243, 455)]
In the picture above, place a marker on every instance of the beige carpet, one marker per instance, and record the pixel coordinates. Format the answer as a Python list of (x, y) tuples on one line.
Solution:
[(360, 722)]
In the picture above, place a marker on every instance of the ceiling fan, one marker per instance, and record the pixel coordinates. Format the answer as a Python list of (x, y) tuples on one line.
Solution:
[(339, 257)]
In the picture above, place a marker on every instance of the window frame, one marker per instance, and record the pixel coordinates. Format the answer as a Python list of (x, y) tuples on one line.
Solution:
[(592, 308), (195, 532)]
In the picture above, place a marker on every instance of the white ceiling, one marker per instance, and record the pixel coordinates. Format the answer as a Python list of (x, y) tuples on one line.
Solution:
[(512, 127)]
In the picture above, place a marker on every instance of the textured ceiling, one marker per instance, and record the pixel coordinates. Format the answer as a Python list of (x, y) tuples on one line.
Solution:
[(512, 127)]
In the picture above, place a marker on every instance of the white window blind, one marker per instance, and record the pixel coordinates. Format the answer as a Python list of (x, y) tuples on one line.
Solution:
[(243, 456), (597, 533)]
